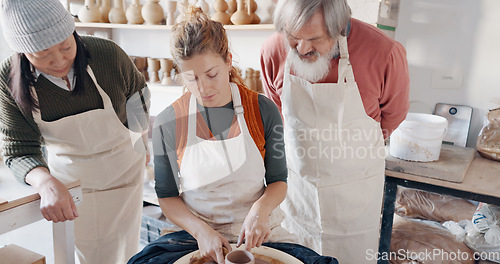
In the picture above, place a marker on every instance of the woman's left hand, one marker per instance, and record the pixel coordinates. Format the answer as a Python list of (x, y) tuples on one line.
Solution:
[(255, 230)]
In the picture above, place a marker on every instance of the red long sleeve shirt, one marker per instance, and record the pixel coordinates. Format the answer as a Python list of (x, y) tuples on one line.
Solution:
[(380, 70)]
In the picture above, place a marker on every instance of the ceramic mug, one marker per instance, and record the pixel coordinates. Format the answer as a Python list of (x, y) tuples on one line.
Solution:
[(239, 257)]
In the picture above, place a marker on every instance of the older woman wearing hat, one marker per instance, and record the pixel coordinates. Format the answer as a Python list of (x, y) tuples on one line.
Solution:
[(84, 100)]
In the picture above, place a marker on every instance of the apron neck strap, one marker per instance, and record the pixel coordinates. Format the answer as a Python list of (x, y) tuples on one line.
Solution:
[(235, 93), (105, 98), (344, 52), (345, 73), (193, 111)]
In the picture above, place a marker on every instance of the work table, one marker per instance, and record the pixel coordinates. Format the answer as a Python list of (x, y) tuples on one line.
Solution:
[(20, 206), (481, 183)]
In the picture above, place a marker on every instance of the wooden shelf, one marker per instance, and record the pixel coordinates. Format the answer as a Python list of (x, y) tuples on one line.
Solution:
[(97, 26)]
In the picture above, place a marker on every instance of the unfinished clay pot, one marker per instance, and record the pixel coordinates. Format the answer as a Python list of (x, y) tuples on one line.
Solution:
[(239, 257)]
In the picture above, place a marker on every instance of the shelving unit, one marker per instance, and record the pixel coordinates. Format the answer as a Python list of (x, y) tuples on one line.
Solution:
[(107, 28), (165, 27), (153, 40)]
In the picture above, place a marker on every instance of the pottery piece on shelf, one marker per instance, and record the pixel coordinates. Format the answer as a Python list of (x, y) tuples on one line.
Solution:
[(105, 8), (241, 16), (258, 81), (220, 15), (133, 13), (152, 12), (117, 13), (166, 66), (254, 81), (170, 8), (252, 8), (141, 63), (177, 78), (249, 79), (231, 7), (89, 12), (154, 67)]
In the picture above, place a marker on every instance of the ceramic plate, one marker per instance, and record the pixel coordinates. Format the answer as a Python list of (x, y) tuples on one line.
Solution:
[(263, 250)]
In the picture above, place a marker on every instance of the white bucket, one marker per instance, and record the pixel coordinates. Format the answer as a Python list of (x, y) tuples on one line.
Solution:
[(419, 137)]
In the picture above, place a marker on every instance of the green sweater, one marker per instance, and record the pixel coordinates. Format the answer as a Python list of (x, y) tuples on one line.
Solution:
[(115, 73)]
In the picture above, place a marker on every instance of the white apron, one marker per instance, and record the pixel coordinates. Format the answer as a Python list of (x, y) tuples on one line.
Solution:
[(336, 180), (221, 179), (95, 147)]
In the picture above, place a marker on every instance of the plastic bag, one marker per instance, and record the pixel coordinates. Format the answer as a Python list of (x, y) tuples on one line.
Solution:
[(488, 140), (456, 229), (483, 218), (483, 232), (432, 206), (414, 241)]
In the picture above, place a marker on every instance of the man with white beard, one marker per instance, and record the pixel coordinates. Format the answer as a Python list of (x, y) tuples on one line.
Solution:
[(331, 74)]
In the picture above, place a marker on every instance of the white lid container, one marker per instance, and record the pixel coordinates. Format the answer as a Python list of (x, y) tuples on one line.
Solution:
[(419, 137)]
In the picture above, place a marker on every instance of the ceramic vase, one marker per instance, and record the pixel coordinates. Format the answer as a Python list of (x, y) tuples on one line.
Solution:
[(105, 8), (142, 65), (252, 8), (166, 66), (117, 13), (249, 79), (258, 81), (170, 8), (98, 5), (231, 7), (154, 67), (241, 16), (152, 12), (220, 15), (133, 13), (89, 12)]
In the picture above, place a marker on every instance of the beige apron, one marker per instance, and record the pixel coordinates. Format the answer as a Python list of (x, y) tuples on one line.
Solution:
[(221, 179), (336, 180), (96, 148)]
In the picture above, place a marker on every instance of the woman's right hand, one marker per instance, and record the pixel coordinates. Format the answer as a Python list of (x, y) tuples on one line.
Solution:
[(211, 244), (56, 204)]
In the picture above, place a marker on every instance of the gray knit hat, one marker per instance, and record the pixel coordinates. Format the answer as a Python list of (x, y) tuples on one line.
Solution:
[(34, 25)]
